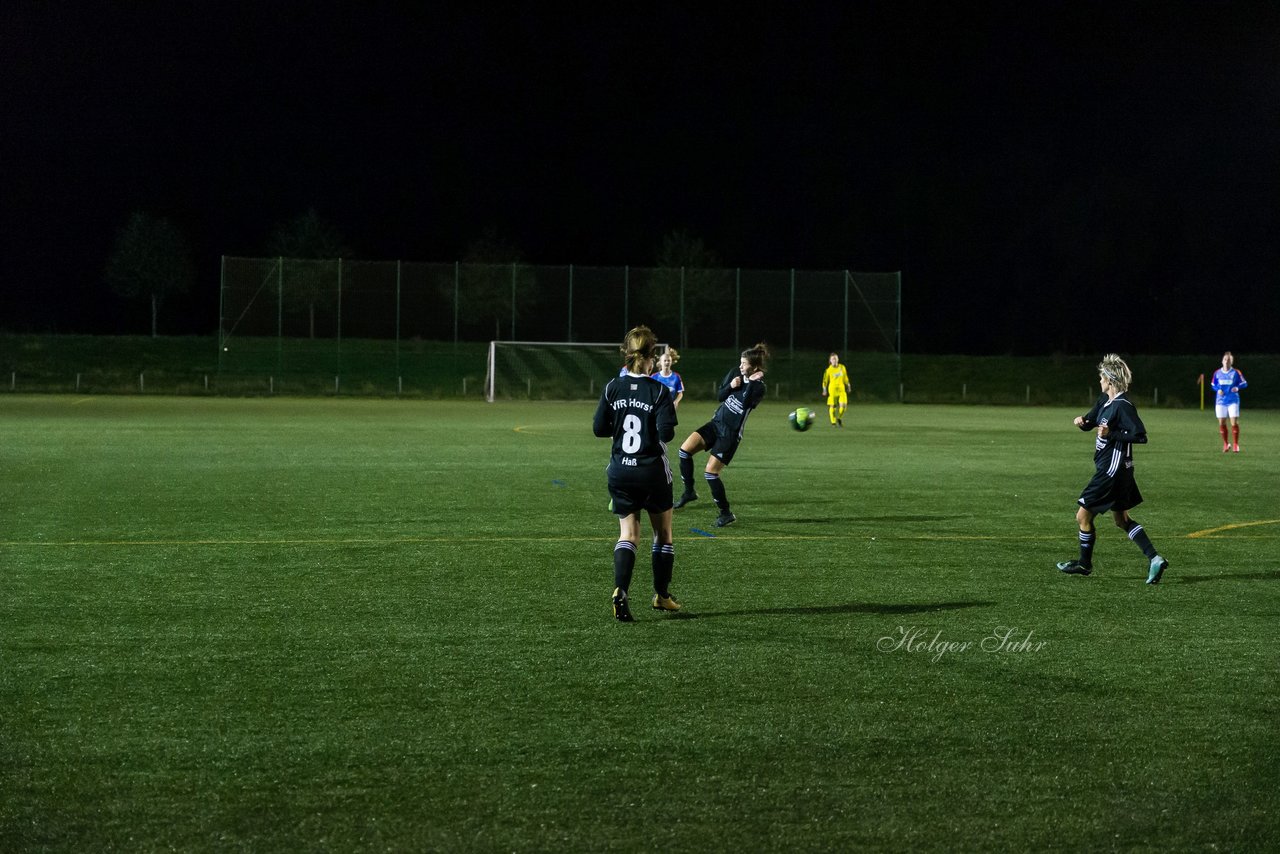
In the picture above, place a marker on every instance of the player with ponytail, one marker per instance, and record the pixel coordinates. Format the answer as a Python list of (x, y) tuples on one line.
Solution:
[(637, 412), (740, 392)]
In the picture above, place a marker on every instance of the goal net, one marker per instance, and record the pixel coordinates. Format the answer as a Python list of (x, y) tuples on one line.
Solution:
[(550, 370)]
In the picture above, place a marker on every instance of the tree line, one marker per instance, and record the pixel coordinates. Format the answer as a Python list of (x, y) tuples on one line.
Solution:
[(151, 260)]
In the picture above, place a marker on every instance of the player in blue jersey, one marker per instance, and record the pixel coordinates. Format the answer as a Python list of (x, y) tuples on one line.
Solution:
[(667, 375), (1113, 487), (740, 392), (636, 412), (1227, 382)]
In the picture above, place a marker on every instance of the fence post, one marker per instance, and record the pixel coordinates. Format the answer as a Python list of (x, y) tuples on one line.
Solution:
[(398, 266), (222, 307), (569, 337), (737, 308), (898, 331), (339, 316), (846, 312), (792, 333), (683, 341), (280, 316)]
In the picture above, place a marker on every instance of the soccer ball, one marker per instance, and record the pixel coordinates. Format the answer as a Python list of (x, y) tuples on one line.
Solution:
[(801, 419)]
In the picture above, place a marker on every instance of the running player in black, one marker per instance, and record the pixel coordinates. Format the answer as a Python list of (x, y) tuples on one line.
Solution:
[(638, 413), (1113, 486), (740, 392)]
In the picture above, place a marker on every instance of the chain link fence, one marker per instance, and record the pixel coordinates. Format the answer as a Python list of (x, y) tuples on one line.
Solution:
[(310, 316)]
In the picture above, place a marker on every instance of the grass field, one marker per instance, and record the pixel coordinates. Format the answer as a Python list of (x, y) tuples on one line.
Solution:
[(287, 624)]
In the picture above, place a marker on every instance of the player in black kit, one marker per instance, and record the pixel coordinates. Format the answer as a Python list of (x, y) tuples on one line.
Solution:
[(740, 392), (639, 414), (1113, 486)]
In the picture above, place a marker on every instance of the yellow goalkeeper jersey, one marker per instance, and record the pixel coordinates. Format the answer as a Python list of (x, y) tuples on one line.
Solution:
[(835, 379)]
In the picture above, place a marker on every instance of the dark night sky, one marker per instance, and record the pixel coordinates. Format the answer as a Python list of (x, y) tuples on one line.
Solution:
[(1048, 176)]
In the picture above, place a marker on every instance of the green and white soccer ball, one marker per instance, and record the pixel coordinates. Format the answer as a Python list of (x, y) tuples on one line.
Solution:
[(801, 419)]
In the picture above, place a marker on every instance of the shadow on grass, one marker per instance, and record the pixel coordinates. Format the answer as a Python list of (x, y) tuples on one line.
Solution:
[(915, 518), (1244, 576), (901, 520), (828, 610)]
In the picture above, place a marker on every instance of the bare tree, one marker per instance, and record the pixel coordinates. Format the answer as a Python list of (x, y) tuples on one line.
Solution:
[(151, 259), (688, 285), (493, 283), (308, 237)]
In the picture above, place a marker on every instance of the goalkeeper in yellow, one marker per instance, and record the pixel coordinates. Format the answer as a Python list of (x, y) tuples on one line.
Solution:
[(835, 385)]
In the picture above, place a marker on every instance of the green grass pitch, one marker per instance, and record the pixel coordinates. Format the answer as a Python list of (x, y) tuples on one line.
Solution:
[(375, 625)]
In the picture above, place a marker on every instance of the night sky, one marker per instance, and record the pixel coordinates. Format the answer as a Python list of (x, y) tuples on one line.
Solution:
[(1070, 177)]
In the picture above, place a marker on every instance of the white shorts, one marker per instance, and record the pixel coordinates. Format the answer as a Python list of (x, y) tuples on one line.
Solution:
[(1227, 410)]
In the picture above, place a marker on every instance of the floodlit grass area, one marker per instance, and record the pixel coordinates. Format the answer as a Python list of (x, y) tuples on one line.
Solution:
[(284, 624)]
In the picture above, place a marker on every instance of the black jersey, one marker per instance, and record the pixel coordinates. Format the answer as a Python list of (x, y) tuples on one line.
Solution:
[(1124, 430), (639, 414), (736, 404)]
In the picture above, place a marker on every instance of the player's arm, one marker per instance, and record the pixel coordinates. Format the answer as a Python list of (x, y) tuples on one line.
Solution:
[(602, 423), (1090, 419), (727, 386), (1127, 426), (665, 416), (826, 380), (1243, 383), (848, 386)]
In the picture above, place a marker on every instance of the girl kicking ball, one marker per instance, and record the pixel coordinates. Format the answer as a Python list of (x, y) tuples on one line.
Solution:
[(740, 393)]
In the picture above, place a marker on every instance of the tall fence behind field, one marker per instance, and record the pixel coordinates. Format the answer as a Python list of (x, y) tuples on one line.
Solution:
[(290, 316)]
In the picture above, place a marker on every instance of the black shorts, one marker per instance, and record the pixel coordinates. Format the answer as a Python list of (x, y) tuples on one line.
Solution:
[(633, 496), (1104, 492), (719, 446)]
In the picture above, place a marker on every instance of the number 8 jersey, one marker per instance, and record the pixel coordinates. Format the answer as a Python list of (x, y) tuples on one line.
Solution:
[(638, 412)]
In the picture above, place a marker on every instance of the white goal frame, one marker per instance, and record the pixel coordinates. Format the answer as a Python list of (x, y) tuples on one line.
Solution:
[(491, 361)]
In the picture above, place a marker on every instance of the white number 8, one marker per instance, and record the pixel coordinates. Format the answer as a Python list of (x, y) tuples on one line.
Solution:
[(630, 434)]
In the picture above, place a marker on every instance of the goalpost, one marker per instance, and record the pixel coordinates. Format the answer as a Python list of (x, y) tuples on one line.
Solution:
[(554, 370)]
